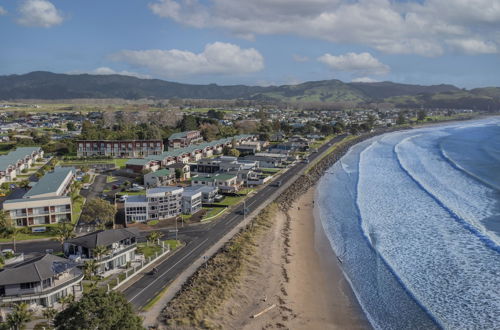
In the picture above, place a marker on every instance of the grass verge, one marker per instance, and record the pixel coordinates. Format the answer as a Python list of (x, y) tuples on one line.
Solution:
[(330, 150), (154, 300), (207, 289)]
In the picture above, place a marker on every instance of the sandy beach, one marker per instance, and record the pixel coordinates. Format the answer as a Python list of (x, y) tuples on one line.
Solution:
[(294, 277)]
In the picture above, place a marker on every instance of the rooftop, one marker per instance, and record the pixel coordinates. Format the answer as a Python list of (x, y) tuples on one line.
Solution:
[(50, 182), (104, 237), (214, 177), (12, 157), (35, 269)]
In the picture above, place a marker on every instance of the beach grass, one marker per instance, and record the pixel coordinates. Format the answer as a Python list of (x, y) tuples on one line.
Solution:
[(207, 289)]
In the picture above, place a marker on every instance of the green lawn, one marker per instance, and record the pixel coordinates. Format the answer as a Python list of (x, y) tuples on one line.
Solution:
[(77, 209), (270, 170), (110, 179), (212, 212), (120, 162), (230, 200), (246, 191), (149, 249)]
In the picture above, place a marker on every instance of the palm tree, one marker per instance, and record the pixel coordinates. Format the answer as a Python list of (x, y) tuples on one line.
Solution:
[(19, 316), (66, 300), (63, 232), (49, 313), (100, 251), (8, 228), (154, 237), (90, 268)]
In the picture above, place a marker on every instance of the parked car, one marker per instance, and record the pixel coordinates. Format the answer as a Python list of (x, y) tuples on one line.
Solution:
[(123, 198)]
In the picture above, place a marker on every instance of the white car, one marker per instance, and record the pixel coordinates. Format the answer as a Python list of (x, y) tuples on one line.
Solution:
[(123, 198)]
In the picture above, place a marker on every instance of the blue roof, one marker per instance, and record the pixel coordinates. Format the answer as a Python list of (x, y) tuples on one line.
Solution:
[(50, 182)]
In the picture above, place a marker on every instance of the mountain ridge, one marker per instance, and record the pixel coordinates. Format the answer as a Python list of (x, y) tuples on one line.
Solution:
[(48, 85)]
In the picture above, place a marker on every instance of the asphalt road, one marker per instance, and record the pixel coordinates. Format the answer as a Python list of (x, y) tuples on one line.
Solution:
[(150, 285)]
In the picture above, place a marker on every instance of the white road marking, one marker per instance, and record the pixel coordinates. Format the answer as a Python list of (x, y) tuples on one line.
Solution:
[(164, 273)]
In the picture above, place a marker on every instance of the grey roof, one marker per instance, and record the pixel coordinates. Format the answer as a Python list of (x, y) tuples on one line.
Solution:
[(136, 199), (179, 135), (34, 269), (12, 157), (104, 237), (34, 199), (50, 182)]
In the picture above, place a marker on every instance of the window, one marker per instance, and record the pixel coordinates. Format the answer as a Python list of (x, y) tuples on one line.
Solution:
[(28, 285)]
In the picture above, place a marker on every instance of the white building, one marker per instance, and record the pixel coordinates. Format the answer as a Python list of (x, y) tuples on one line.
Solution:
[(158, 204), (191, 201)]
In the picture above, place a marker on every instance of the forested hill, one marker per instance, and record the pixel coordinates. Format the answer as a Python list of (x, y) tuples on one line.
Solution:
[(48, 85)]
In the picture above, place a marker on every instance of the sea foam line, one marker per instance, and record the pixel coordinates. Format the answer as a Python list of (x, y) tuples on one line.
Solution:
[(485, 239)]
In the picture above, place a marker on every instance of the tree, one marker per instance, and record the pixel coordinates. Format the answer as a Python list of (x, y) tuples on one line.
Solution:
[(401, 119), (8, 228), (188, 123), (179, 173), (66, 300), (98, 209), (49, 313), (24, 184), (63, 232), (421, 114), (19, 316), (154, 237), (90, 268), (70, 126), (99, 309), (234, 153), (100, 251)]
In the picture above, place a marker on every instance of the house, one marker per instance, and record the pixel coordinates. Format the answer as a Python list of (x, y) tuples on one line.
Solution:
[(225, 182), (268, 160), (119, 148), (47, 201), (184, 139), (158, 204), (163, 177), (180, 168), (138, 165), (121, 245), (40, 279), (191, 201)]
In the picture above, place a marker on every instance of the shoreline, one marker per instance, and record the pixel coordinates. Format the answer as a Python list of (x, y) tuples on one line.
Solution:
[(322, 294)]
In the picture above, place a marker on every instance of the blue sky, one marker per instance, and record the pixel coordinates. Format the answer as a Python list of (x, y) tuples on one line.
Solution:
[(257, 41)]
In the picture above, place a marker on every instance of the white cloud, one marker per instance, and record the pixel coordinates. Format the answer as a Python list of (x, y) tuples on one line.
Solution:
[(364, 80), (410, 27), (39, 13), (216, 58), (362, 63), (473, 46), (2, 11), (300, 58)]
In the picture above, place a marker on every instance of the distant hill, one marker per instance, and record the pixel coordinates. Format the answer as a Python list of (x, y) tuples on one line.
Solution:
[(48, 85), (386, 89)]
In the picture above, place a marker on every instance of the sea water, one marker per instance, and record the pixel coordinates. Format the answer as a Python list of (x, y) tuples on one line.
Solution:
[(414, 217)]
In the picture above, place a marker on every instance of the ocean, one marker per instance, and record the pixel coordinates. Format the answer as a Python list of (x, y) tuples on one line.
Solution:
[(414, 218)]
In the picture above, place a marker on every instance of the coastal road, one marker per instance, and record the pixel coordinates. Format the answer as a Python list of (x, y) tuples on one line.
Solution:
[(149, 286)]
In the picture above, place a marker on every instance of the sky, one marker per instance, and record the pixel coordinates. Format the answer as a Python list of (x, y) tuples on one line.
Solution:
[(257, 42)]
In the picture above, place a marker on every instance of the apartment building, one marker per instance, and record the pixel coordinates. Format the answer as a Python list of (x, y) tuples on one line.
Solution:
[(47, 201), (118, 148), (158, 204)]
